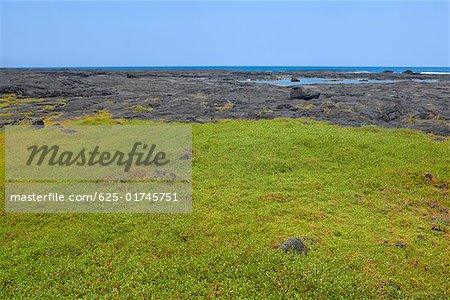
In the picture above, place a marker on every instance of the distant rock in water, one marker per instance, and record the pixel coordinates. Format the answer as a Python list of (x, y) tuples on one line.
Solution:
[(304, 93), (410, 72), (295, 79), (388, 71)]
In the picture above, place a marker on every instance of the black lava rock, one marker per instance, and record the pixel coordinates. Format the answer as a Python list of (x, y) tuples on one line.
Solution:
[(38, 123), (286, 106), (437, 228), (400, 244), (131, 75), (440, 139), (293, 245), (8, 89), (409, 72), (304, 93), (391, 284), (389, 112)]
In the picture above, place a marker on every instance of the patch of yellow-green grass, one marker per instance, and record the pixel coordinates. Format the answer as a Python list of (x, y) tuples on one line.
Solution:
[(356, 191), (63, 102), (326, 110), (25, 100), (139, 108), (100, 118), (7, 108), (51, 119), (48, 108), (7, 102), (265, 111), (434, 119), (305, 106), (200, 96), (226, 106), (26, 113), (153, 100), (343, 108), (6, 115), (11, 101), (12, 98), (410, 120), (8, 98)]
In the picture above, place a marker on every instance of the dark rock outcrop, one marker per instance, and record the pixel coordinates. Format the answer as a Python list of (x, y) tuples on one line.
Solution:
[(132, 75), (391, 284), (197, 95), (297, 245), (37, 123), (10, 89), (299, 92), (400, 244), (410, 72), (293, 245), (389, 112)]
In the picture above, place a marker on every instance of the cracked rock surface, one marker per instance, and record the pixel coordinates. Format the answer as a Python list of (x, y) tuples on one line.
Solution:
[(208, 95)]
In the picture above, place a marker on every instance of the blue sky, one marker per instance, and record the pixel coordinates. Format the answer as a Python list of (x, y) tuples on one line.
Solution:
[(295, 33)]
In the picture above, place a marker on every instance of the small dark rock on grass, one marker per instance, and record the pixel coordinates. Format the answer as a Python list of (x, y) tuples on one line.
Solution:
[(187, 154), (428, 176), (437, 228), (400, 244), (38, 123), (296, 245), (390, 284)]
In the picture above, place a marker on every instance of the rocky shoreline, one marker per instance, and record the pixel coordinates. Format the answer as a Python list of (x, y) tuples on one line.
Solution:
[(209, 95)]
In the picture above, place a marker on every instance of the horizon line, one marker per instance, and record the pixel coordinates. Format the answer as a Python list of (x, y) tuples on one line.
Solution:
[(219, 66)]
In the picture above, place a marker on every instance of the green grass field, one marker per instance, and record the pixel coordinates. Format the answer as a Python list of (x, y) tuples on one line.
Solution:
[(356, 191)]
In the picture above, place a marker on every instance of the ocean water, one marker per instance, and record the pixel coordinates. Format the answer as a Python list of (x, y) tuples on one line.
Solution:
[(429, 70), (318, 80)]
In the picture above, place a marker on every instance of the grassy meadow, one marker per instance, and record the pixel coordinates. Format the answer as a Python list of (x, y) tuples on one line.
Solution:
[(376, 201)]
